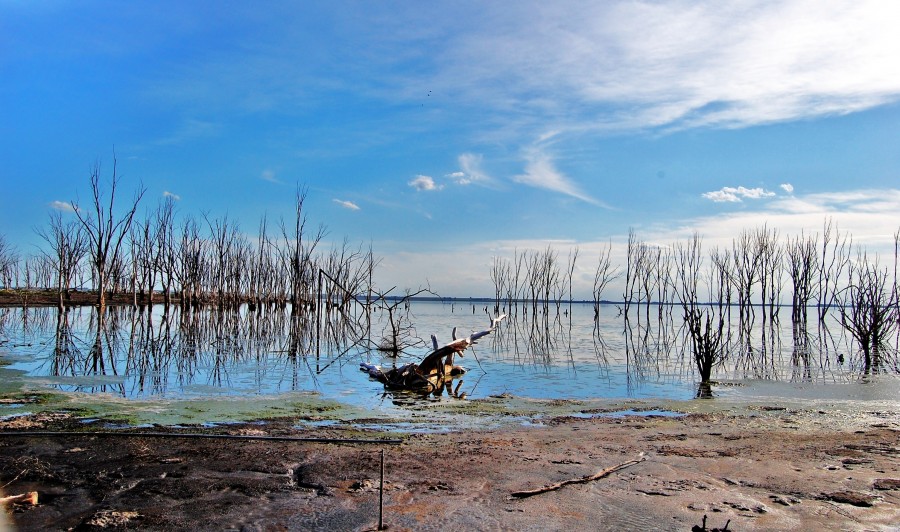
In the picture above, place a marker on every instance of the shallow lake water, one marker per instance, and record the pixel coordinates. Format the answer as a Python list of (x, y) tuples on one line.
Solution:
[(557, 353)]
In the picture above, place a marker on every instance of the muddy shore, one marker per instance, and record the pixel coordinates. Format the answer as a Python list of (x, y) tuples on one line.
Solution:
[(763, 469)]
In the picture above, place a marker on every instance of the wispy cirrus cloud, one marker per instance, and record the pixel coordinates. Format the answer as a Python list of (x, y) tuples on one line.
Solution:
[(167, 194), (471, 171), (190, 130), (346, 204), (680, 64), (540, 172)]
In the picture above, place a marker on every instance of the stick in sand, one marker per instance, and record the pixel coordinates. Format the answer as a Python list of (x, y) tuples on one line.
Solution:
[(26, 498), (590, 478)]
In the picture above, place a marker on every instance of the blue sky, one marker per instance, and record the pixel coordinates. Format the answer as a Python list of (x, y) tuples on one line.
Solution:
[(447, 133)]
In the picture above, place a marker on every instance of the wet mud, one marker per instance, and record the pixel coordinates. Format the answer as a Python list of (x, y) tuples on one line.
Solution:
[(770, 470)]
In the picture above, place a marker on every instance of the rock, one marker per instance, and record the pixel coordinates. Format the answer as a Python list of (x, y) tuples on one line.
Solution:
[(854, 498), (111, 518), (887, 484)]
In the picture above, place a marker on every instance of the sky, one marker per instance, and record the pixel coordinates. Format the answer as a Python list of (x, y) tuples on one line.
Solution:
[(448, 133)]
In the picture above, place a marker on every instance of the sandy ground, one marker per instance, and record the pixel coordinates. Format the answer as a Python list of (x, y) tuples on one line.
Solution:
[(772, 471)]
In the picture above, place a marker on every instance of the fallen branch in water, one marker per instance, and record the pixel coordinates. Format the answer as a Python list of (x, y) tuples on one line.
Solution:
[(590, 478)]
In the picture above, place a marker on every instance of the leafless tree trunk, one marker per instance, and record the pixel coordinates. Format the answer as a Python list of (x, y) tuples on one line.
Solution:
[(105, 229)]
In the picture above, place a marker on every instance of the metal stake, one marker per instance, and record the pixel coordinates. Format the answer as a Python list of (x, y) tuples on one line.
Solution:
[(381, 495)]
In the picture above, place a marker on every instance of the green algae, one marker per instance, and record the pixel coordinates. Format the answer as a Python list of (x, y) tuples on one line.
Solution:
[(19, 397)]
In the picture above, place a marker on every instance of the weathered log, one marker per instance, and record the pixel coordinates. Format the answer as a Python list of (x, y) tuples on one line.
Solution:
[(589, 478), (436, 368)]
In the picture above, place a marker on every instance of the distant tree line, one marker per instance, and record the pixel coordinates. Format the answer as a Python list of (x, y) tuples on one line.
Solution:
[(759, 273), (109, 248)]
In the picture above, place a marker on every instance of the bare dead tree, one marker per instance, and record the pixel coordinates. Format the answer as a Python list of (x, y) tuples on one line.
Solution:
[(105, 228), (719, 281), (9, 260), (802, 265), (746, 255), (498, 273), (145, 258), (570, 271), (297, 251), (632, 268), (68, 246), (165, 245), (189, 262), (603, 275), (260, 268), (869, 310), (770, 268), (834, 261), (705, 326), (39, 272)]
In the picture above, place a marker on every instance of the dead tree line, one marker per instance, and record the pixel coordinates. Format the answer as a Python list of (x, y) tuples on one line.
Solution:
[(753, 274), (109, 247), (759, 273), (533, 281)]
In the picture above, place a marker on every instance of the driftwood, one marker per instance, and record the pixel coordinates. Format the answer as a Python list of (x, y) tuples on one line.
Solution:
[(435, 369), (25, 498), (589, 478)]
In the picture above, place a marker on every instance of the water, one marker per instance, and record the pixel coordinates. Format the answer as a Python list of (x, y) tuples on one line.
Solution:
[(564, 355)]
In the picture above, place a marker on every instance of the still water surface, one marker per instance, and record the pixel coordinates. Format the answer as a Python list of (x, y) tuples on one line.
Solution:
[(156, 353)]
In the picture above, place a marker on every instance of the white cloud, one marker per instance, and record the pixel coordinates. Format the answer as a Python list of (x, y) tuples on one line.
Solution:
[(167, 194), (64, 206), (346, 204), (732, 194), (269, 175), (423, 183), (471, 172), (869, 215), (541, 173), (787, 187)]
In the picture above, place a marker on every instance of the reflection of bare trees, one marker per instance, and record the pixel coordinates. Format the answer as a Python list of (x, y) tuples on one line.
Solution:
[(137, 351)]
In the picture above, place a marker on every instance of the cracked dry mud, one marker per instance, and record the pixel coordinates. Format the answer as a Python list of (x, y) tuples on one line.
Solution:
[(758, 473)]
